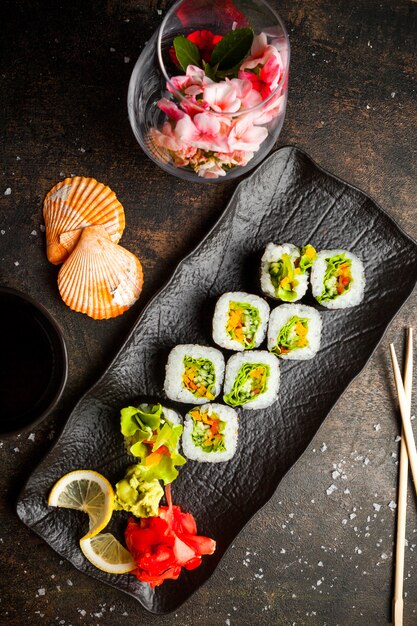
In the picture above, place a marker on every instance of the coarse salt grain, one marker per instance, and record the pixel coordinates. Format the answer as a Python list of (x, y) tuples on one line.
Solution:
[(8, 191), (331, 489)]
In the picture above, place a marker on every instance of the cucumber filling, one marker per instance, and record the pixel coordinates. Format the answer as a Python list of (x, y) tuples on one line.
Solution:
[(243, 323), (199, 377), (208, 431)]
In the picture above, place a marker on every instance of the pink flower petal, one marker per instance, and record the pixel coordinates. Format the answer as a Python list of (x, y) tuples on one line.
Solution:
[(185, 130), (222, 97), (259, 44), (171, 109), (207, 124), (195, 74), (244, 135), (179, 83)]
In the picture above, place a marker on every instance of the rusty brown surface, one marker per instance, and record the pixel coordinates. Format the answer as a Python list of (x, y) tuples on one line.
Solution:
[(353, 108)]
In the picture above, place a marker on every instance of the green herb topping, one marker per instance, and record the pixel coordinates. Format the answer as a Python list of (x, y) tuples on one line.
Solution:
[(199, 377), (250, 382), (208, 431), (292, 336), (243, 322)]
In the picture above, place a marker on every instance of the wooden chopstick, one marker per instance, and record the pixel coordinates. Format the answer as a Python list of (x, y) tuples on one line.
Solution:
[(405, 416), (397, 602)]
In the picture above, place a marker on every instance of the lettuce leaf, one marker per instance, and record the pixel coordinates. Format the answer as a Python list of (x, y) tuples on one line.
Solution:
[(147, 423), (243, 386), (287, 337), (330, 277)]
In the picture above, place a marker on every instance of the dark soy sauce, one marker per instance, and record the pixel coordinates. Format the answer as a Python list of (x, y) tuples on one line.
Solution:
[(26, 362)]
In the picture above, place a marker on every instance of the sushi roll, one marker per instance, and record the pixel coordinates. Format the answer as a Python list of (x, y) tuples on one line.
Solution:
[(210, 433), (338, 279), (240, 321), (194, 374), (251, 380), (284, 271), (294, 331)]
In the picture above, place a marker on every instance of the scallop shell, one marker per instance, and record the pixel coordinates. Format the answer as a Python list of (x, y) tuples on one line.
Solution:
[(74, 204), (100, 278)]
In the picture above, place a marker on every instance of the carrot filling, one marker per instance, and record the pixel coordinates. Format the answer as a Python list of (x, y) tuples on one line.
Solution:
[(208, 430), (199, 377), (243, 323)]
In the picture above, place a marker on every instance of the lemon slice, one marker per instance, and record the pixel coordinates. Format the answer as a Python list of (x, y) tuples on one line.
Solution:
[(107, 553), (88, 491)]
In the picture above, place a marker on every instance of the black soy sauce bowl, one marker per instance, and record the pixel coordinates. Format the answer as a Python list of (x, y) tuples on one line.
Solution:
[(33, 362)]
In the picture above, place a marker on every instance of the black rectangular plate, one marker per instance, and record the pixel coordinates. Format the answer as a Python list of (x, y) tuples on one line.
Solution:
[(288, 198)]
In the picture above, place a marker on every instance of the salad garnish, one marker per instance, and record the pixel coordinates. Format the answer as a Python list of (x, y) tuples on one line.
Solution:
[(154, 440)]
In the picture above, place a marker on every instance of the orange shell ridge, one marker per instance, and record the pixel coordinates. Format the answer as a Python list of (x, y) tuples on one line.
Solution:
[(100, 278), (74, 204)]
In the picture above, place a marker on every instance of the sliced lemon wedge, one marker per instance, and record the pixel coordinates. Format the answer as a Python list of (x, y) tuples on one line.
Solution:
[(87, 491), (107, 554)]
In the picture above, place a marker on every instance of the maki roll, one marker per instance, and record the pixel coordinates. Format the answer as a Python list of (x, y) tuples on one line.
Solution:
[(194, 374), (240, 321), (210, 433), (252, 380), (294, 331), (284, 271), (338, 279)]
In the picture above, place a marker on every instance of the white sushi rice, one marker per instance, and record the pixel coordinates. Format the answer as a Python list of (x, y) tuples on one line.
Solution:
[(281, 315), (221, 318), (171, 415), (270, 395), (173, 385), (272, 254), (194, 452), (351, 297)]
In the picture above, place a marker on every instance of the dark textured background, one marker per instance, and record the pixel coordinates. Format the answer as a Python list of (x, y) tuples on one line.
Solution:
[(352, 106)]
